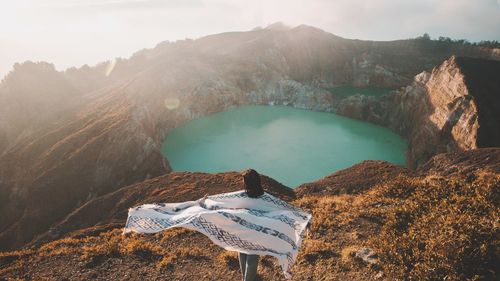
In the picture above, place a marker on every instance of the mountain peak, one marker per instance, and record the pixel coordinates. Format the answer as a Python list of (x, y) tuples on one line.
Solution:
[(278, 26)]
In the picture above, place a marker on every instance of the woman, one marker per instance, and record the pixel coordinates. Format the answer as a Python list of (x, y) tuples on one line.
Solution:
[(250, 221), (253, 188)]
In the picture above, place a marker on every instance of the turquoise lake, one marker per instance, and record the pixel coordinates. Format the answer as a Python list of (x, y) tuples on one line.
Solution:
[(293, 146)]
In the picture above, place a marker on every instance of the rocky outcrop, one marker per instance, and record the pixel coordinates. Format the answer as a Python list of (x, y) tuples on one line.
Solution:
[(442, 111)]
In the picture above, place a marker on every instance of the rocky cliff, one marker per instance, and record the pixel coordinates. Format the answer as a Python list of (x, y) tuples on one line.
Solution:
[(121, 112), (453, 108)]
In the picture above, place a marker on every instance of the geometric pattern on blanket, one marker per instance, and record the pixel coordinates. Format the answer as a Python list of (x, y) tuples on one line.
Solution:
[(265, 225)]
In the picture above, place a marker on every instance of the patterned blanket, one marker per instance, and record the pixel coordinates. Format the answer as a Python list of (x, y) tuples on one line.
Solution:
[(265, 225)]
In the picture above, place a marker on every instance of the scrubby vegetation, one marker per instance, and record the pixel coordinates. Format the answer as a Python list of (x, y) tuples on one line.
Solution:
[(432, 228), (408, 228), (464, 42), (94, 250), (440, 228)]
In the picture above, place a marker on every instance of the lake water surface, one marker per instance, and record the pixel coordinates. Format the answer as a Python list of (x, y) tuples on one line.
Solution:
[(291, 145)]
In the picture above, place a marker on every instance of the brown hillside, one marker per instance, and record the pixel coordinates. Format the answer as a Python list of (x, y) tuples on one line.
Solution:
[(111, 209), (439, 223), (354, 179), (45, 177)]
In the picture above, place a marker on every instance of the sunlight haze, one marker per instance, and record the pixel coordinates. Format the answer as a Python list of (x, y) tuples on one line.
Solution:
[(76, 32)]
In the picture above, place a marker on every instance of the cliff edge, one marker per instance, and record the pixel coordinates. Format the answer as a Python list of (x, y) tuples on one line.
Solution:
[(456, 107)]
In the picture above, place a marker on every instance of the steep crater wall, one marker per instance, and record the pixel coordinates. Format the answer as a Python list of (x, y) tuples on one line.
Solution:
[(116, 139), (453, 108), (112, 136)]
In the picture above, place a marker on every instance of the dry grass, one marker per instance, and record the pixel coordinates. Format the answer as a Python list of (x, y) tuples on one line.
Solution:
[(314, 249), (421, 228), (5, 256), (106, 244), (152, 249), (439, 228), (14, 266), (174, 232), (181, 254), (347, 254), (64, 246), (228, 258), (12, 261), (109, 244)]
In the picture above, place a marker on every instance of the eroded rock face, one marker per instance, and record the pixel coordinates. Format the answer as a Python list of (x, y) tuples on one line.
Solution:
[(454, 110), (442, 111)]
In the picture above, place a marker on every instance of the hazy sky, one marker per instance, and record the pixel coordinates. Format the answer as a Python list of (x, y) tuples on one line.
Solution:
[(76, 32)]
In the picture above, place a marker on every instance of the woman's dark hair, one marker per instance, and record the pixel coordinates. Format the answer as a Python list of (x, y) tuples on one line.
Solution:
[(252, 183)]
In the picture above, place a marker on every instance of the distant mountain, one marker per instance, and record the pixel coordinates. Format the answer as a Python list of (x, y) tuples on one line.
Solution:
[(32, 95), (69, 137)]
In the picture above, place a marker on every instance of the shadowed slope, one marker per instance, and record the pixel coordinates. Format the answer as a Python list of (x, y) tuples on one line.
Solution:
[(111, 209), (47, 176), (482, 80)]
